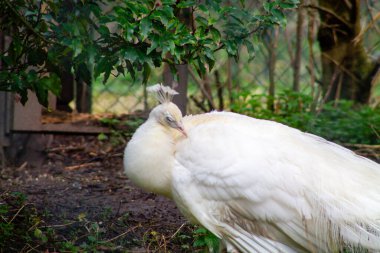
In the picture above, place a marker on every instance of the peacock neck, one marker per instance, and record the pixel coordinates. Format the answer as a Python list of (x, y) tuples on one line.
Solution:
[(148, 159)]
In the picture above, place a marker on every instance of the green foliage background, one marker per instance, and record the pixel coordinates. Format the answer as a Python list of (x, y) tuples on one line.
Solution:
[(93, 38), (341, 121)]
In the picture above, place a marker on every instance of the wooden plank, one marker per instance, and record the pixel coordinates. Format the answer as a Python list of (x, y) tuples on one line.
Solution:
[(5, 115), (70, 128), (28, 117), (65, 128)]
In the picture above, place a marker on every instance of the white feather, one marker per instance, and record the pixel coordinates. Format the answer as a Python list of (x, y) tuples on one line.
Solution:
[(261, 186), (163, 94)]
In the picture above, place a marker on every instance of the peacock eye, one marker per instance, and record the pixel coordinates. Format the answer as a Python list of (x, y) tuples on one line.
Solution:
[(169, 119)]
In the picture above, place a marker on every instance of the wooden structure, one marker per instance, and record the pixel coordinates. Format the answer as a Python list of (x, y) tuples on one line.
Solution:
[(5, 118), (16, 118)]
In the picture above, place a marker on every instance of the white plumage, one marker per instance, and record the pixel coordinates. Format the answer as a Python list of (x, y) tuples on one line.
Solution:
[(258, 185)]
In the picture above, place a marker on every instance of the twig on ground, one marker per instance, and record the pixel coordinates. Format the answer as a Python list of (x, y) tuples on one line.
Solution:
[(122, 234), (22, 166), (32, 248), (80, 166), (18, 211), (59, 225), (177, 231), (64, 149)]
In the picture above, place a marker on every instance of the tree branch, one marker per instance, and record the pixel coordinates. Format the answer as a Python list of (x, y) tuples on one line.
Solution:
[(325, 10), (27, 24), (359, 37)]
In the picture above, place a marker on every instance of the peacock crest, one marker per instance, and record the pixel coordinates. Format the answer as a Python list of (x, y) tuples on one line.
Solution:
[(164, 94)]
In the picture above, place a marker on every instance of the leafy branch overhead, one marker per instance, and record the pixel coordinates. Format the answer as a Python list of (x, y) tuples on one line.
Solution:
[(93, 38)]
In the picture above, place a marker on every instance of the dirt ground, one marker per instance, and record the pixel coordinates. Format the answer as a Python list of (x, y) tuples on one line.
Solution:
[(81, 184)]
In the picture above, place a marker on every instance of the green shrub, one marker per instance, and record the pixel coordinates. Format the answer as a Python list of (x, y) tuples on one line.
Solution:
[(206, 241), (18, 222), (342, 122)]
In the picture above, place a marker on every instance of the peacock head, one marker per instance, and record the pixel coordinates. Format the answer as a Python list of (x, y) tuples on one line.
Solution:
[(167, 114)]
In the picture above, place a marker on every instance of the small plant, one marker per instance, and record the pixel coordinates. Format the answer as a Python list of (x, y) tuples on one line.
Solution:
[(133, 124), (206, 241), (120, 130), (154, 241), (22, 229), (19, 223)]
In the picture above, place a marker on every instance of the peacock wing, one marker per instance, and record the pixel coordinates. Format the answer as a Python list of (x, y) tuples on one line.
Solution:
[(233, 178)]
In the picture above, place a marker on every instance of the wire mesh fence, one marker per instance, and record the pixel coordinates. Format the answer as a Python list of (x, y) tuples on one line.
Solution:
[(120, 95)]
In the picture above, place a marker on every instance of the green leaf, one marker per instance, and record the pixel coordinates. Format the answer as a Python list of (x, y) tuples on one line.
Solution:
[(146, 72), (129, 32), (250, 49), (168, 2), (107, 74), (178, 51), (120, 69), (279, 15), (212, 243), (43, 85), (171, 46), (24, 95), (131, 54), (212, 21), (15, 48), (200, 231), (130, 69), (38, 233), (268, 6), (168, 11), (186, 4), (200, 67), (154, 44), (103, 30), (287, 5), (295, 2), (231, 47), (215, 34), (82, 72), (103, 66), (51, 83), (210, 59), (136, 7), (91, 238), (145, 27), (42, 95), (164, 14), (201, 21), (204, 9), (187, 39), (199, 243)]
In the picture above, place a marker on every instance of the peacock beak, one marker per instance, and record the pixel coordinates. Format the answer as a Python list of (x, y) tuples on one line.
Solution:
[(181, 128)]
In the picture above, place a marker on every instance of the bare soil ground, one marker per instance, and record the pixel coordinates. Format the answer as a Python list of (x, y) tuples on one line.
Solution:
[(80, 190)]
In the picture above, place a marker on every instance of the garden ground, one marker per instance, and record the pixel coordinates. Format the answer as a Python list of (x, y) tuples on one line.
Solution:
[(80, 200)]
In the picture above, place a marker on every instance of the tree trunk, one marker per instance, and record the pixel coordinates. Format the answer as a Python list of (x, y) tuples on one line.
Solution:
[(181, 86), (229, 80), (298, 54), (272, 47), (347, 71)]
